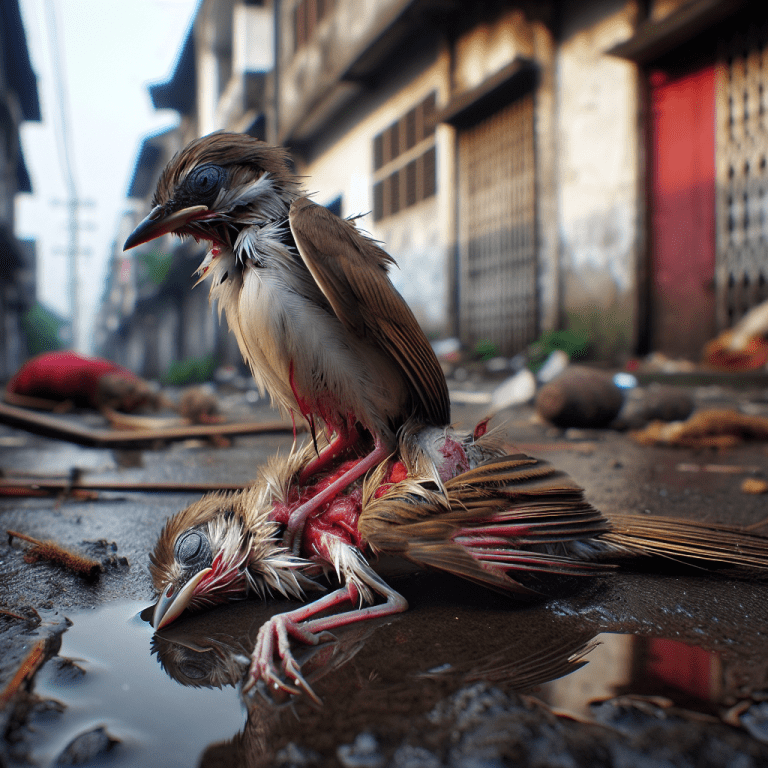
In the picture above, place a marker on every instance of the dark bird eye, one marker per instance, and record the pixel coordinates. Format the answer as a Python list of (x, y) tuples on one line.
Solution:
[(193, 550), (205, 181)]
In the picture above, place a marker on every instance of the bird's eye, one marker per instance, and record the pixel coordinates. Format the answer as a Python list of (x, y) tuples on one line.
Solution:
[(205, 181), (193, 550)]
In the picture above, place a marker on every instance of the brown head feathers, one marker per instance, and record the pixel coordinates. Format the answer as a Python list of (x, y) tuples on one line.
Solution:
[(238, 154)]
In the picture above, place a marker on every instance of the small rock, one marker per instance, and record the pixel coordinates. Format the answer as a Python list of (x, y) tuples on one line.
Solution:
[(86, 747), (362, 753), (294, 756), (667, 404), (580, 397)]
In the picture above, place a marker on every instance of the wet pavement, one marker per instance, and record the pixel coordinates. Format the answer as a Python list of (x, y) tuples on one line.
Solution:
[(655, 668)]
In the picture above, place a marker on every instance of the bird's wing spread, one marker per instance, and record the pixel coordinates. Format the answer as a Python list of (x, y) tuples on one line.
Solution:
[(351, 270), (512, 514)]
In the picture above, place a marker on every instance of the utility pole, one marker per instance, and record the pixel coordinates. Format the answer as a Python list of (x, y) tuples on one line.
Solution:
[(67, 166), (73, 252)]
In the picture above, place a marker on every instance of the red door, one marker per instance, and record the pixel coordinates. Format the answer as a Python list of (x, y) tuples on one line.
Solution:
[(682, 310)]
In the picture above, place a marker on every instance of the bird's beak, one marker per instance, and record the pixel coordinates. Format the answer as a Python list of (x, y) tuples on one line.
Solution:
[(157, 224), (171, 604)]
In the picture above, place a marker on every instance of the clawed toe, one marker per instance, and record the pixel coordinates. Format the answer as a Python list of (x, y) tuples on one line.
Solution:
[(273, 640)]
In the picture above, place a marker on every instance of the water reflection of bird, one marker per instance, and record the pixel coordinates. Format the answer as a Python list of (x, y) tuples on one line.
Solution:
[(307, 296), (501, 522), (196, 653)]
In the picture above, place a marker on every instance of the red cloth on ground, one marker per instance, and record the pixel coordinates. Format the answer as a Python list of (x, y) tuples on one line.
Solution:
[(63, 376)]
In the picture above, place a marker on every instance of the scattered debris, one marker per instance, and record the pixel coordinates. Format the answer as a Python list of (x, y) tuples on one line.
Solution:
[(725, 469), (553, 366), (516, 390), (580, 397), (200, 406), (744, 347), (38, 485), (662, 403), (32, 616), (465, 397), (754, 485), (711, 428), (55, 553), (12, 615), (57, 381), (25, 672), (60, 429)]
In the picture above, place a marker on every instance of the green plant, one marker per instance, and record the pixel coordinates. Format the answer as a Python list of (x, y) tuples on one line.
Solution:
[(573, 343), (191, 371), (485, 349), (42, 329)]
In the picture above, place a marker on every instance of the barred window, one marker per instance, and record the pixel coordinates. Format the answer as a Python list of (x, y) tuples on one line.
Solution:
[(404, 161), (307, 14)]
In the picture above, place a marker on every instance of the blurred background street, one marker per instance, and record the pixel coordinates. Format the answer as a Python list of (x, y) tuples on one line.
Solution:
[(576, 196)]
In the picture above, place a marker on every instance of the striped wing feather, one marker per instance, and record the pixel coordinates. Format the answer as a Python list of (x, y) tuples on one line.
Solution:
[(511, 513), (351, 270)]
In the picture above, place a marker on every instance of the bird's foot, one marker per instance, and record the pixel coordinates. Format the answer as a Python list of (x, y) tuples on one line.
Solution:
[(274, 640)]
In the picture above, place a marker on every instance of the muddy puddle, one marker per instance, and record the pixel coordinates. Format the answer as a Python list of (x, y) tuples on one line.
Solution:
[(464, 669)]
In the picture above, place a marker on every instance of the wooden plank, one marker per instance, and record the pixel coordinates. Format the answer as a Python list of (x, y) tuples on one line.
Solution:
[(64, 429), (48, 485)]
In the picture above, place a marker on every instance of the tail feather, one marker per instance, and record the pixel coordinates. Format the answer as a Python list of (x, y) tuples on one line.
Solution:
[(685, 539), (517, 514)]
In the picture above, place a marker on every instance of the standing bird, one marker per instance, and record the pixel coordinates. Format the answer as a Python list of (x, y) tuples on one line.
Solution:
[(308, 298), (503, 522)]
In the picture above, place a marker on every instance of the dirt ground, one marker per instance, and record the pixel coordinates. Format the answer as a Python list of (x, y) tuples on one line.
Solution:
[(464, 678)]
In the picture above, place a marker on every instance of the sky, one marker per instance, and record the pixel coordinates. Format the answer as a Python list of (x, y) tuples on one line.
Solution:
[(109, 51)]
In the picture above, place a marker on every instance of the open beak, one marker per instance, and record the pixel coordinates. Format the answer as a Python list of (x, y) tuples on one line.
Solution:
[(171, 604), (157, 224)]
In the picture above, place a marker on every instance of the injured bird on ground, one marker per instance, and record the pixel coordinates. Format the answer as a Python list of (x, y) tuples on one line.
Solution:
[(501, 519)]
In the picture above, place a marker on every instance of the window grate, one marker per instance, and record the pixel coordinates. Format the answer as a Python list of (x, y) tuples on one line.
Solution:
[(741, 87), (497, 254)]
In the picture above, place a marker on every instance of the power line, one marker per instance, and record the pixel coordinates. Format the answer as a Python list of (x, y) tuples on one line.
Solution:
[(67, 164), (62, 98)]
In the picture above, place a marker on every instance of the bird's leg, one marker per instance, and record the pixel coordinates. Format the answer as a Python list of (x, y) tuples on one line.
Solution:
[(345, 438), (275, 635), (299, 516)]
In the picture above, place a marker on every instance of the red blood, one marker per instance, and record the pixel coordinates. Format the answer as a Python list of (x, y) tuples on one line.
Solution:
[(456, 459), (396, 473), (338, 517), (481, 429), (304, 408)]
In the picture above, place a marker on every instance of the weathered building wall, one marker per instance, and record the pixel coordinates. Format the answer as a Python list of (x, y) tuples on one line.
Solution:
[(598, 140), (311, 70), (419, 236)]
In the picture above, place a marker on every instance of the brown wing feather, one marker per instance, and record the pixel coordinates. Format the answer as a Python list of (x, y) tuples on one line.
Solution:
[(510, 514), (351, 270)]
